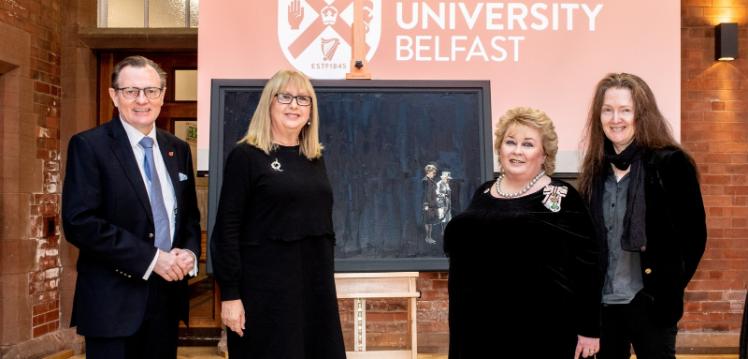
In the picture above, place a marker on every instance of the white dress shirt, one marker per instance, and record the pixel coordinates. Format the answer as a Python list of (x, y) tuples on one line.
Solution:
[(167, 189)]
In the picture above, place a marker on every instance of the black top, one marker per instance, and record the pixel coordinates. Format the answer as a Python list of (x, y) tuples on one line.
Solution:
[(282, 197), (543, 264)]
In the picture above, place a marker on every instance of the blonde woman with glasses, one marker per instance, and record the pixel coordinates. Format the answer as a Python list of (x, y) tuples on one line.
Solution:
[(273, 239)]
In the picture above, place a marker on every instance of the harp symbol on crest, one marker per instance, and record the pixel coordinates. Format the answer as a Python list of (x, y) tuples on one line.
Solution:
[(328, 47)]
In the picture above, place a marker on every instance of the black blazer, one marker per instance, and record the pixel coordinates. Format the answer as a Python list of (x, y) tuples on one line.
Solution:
[(676, 231), (107, 215)]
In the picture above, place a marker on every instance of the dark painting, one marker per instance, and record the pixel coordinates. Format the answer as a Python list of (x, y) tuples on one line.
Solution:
[(402, 157)]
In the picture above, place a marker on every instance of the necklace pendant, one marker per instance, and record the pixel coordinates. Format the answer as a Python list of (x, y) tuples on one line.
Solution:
[(276, 166), (553, 195)]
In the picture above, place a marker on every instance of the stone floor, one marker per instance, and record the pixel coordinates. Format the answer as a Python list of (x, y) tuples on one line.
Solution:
[(212, 353), (185, 353)]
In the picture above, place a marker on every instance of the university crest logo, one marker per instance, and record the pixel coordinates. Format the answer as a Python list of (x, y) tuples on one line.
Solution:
[(315, 35)]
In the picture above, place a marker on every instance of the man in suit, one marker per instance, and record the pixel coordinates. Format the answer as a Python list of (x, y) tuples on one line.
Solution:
[(129, 205)]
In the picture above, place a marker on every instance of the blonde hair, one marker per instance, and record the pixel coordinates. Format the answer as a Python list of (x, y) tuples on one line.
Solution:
[(260, 135), (533, 118)]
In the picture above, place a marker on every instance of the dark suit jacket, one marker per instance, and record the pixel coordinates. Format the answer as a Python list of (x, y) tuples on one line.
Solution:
[(107, 215), (676, 231)]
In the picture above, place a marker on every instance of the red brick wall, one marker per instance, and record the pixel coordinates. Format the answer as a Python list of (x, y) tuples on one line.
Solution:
[(386, 319), (714, 107), (38, 97), (433, 312)]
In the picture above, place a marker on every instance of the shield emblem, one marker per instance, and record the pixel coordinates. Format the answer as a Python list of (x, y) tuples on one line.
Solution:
[(315, 35)]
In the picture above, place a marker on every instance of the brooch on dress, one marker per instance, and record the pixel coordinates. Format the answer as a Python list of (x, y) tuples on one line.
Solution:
[(553, 195), (276, 166)]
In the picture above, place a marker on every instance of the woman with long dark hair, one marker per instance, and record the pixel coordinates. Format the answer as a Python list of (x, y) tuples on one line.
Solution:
[(644, 196)]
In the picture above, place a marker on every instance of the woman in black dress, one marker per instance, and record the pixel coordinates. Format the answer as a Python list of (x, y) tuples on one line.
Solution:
[(272, 244), (530, 237)]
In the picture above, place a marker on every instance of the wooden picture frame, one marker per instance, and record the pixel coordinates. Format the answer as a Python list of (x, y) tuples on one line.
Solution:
[(379, 137)]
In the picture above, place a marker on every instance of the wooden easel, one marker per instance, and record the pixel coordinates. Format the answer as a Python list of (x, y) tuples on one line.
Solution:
[(359, 66), (361, 286)]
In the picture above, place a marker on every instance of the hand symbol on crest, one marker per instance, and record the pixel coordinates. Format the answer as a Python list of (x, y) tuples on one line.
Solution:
[(295, 14)]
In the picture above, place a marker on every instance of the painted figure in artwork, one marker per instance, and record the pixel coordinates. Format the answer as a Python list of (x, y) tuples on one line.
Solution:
[(444, 199), (430, 202)]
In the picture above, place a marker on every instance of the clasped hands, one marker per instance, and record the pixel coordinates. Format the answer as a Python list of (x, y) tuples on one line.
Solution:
[(175, 264)]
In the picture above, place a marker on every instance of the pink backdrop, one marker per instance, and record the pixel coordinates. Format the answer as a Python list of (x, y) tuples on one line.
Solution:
[(554, 69)]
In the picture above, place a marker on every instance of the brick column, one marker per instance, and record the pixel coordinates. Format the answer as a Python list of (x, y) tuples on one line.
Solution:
[(44, 281), (30, 191), (714, 106)]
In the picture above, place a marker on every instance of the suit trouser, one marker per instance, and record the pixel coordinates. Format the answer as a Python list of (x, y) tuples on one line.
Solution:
[(155, 339), (627, 325)]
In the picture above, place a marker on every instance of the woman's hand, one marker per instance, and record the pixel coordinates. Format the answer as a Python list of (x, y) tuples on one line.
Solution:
[(587, 347), (232, 314)]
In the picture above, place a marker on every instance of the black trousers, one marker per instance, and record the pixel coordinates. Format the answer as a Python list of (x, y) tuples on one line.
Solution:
[(627, 325), (155, 339)]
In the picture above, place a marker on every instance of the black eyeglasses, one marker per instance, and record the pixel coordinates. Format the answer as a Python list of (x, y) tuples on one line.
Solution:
[(132, 93), (286, 98)]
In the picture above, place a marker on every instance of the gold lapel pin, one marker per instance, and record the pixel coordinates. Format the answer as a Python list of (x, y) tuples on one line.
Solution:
[(171, 153)]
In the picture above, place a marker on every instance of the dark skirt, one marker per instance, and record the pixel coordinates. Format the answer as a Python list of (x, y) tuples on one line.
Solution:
[(291, 307)]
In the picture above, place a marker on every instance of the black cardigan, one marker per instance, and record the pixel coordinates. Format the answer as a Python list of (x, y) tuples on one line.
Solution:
[(676, 231)]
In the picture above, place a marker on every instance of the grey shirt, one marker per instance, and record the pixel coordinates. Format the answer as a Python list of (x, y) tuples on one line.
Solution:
[(623, 278)]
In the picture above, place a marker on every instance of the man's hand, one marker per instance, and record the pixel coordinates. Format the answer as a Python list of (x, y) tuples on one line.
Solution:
[(167, 267), (185, 259), (232, 314)]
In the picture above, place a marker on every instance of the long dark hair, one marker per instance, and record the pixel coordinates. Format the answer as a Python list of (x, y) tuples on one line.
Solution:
[(652, 131)]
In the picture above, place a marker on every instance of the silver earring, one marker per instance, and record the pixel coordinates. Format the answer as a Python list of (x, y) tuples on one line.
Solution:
[(309, 123)]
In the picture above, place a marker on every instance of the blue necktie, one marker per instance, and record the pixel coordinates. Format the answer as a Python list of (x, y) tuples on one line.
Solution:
[(160, 216)]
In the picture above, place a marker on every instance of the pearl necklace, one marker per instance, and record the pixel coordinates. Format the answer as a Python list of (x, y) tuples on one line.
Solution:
[(520, 192)]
